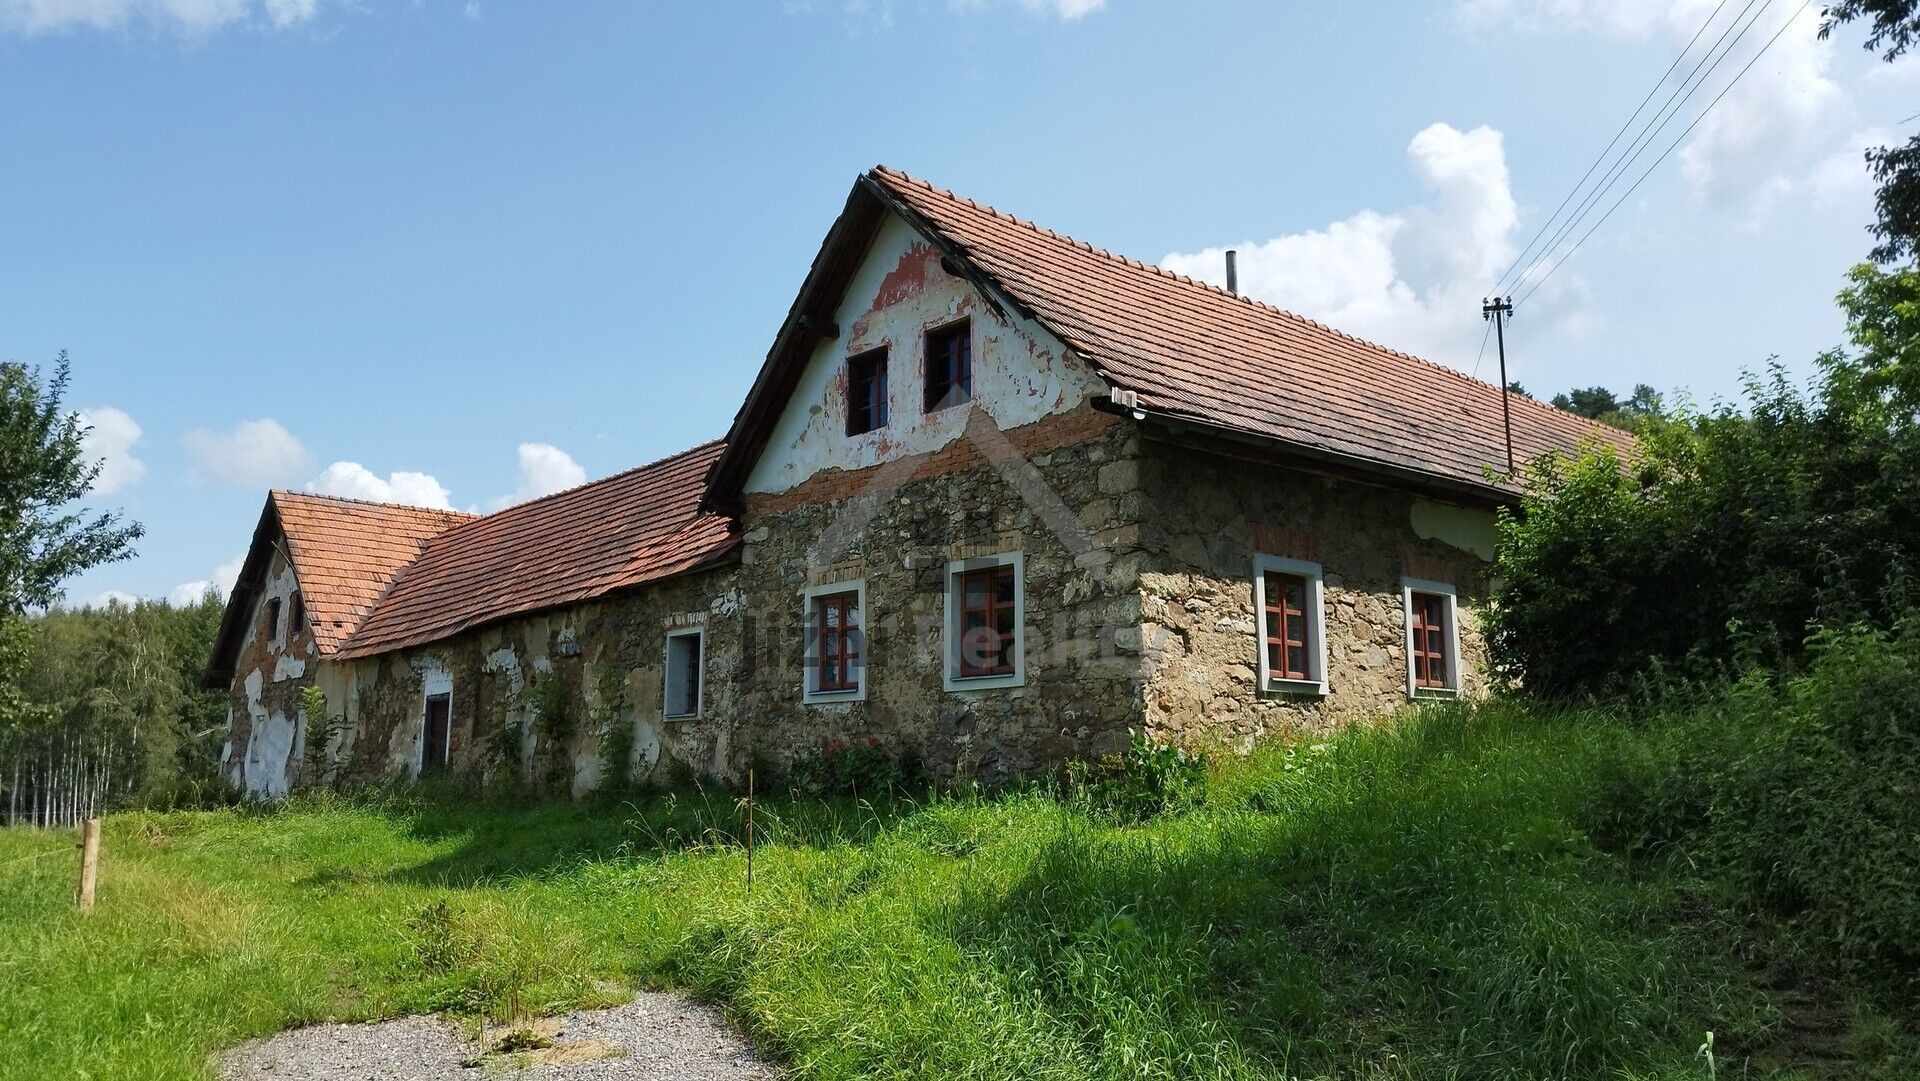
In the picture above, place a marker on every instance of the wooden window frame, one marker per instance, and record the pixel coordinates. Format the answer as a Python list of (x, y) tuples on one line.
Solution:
[(956, 675), (699, 634), (1419, 599), (812, 600), (957, 371), (867, 393), (1313, 638)]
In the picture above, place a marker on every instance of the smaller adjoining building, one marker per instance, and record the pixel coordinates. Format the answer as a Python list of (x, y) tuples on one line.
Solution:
[(995, 498)]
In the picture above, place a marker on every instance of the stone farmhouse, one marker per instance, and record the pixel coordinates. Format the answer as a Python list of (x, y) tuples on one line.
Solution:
[(995, 498)]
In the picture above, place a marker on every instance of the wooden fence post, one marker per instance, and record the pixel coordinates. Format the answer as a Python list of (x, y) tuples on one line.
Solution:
[(749, 831), (89, 862)]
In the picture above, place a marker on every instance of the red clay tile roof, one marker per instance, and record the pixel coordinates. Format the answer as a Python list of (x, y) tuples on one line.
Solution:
[(345, 553), (633, 527), (1195, 351)]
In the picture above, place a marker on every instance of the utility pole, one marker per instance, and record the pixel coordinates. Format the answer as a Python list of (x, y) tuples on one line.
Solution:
[(1500, 311)]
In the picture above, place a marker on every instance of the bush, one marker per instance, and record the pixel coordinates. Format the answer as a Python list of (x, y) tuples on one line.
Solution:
[(1146, 780), (861, 768), (1817, 813), (1798, 506), (1801, 795)]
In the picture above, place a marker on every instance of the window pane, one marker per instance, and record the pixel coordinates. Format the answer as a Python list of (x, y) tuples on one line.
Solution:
[(830, 613), (1003, 585), (1296, 593), (974, 590), (1297, 661), (972, 621)]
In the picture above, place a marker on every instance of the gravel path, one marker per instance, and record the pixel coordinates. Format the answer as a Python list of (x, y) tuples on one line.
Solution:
[(656, 1037)]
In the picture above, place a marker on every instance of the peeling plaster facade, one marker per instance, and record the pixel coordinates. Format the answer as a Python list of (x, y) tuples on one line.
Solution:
[(1137, 568), (1021, 373)]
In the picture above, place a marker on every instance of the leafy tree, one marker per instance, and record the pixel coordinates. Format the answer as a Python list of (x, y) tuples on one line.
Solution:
[(1895, 27), (1801, 508), (1601, 404), (44, 539)]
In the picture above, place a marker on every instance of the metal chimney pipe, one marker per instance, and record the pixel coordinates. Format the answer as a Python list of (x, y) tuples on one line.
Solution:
[(1233, 272)]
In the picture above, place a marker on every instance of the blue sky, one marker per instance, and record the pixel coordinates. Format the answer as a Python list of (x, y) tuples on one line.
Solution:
[(468, 252)]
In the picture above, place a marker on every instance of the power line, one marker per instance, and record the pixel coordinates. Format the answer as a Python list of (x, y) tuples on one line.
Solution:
[(1669, 109), (1575, 190), (1484, 335), (1670, 147)]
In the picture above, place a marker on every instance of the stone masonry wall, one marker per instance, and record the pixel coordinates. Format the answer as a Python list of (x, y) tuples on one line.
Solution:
[(1210, 514), (1063, 491), (609, 656)]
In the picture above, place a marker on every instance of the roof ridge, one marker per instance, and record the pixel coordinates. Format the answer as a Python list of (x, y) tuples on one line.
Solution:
[(629, 471), (1219, 291), (327, 497)]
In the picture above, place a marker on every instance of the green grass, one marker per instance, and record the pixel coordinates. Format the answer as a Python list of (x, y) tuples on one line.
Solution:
[(1420, 901)]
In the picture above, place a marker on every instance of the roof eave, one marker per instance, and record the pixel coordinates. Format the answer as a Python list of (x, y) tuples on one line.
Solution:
[(1421, 480), (351, 652)]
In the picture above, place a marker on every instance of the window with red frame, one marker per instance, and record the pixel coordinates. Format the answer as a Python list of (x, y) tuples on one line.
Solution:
[(949, 367), (1286, 626), (1429, 641), (987, 630), (867, 392), (837, 642)]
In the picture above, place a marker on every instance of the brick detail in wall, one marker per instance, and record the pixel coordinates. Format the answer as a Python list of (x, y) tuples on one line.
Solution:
[(836, 485)]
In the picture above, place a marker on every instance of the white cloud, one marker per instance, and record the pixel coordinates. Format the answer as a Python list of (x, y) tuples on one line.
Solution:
[(544, 470), (110, 597), (1840, 181), (220, 581), (1412, 279), (189, 16), (1746, 147), (355, 481), (255, 453), (109, 440)]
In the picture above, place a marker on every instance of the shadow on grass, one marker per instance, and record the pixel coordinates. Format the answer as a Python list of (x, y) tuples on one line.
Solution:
[(1395, 917), (489, 836)]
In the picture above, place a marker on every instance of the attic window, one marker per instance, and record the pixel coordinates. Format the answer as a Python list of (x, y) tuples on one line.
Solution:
[(867, 392), (273, 619), (949, 366), (298, 622)]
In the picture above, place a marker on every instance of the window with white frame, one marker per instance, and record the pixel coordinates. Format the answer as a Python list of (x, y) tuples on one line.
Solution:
[(984, 643), (1289, 598), (836, 643), (1433, 639), (684, 685)]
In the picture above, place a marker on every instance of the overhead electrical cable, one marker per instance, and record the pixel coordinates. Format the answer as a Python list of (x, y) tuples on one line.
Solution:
[(1735, 81), (1702, 71), (1651, 91)]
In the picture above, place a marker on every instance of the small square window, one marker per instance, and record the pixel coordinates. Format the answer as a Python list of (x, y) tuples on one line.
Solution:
[(1288, 596), (683, 681), (867, 392), (1433, 639), (949, 366), (984, 637)]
